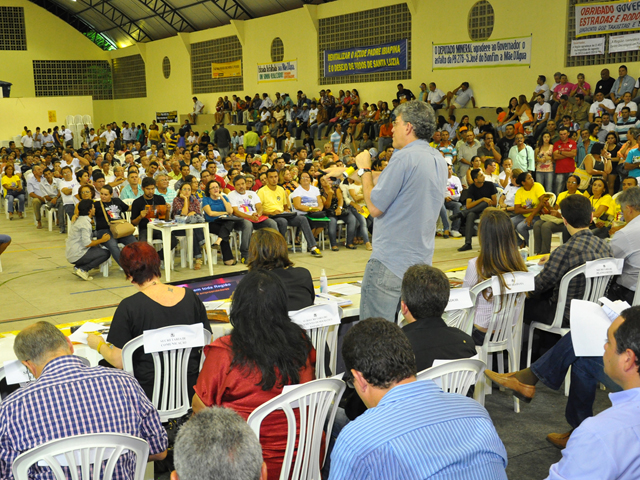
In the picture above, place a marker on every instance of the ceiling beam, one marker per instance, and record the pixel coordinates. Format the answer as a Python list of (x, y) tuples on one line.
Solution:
[(118, 18), (169, 14), (232, 9)]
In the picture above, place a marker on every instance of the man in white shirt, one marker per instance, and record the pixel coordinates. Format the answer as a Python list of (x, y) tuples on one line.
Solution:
[(37, 140), (462, 96), (605, 127), (599, 106), (625, 244), (198, 108), (127, 133), (34, 191), (451, 199), (109, 135), (541, 88), (626, 102), (93, 138), (435, 96), (541, 114), (67, 185), (67, 135), (27, 142), (266, 102)]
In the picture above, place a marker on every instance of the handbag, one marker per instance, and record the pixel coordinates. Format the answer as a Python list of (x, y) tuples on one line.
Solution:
[(119, 228), (550, 218), (585, 178)]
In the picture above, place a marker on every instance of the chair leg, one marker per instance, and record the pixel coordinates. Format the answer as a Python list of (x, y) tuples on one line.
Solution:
[(530, 345), (567, 383)]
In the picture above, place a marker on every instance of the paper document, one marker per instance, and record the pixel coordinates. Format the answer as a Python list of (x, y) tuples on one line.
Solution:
[(458, 298), (16, 372), (316, 316), (325, 298), (613, 309), (589, 324), (515, 282), (80, 335), (345, 289), (215, 305)]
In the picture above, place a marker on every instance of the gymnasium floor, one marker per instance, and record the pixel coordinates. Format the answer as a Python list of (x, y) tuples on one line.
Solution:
[(37, 283)]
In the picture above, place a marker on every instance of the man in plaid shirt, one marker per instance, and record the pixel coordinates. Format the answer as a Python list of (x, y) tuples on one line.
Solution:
[(69, 398), (582, 247)]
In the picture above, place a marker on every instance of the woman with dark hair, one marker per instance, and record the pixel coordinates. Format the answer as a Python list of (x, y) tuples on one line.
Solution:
[(530, 201), (544, 229), (544, 161), (604, 208), (109, 209), (598, 162), (264, 352), (612, 146), (218, 212), (498, 255), (154, 306), (511, 117), (81, 249), (333, 205), (12, 185), (268, 251), (187, 205)]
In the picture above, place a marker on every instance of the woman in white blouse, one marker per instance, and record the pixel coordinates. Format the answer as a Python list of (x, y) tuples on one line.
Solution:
[(499, 254)]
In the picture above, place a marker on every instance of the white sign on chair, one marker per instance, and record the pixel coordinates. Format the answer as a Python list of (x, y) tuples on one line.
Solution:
[(601, 268), (320, 315), (516, 282), (459, 298), (180, 336)]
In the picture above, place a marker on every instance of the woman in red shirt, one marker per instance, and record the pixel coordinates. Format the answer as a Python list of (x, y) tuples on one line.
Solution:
[(249, 367)]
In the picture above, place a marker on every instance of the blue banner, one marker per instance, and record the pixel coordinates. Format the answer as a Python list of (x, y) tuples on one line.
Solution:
[(389, 57)]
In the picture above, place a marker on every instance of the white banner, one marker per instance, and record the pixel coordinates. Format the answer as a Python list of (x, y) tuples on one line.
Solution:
[(492, 53), (587, 46), (624, 43), (609, 17), (278, 71)]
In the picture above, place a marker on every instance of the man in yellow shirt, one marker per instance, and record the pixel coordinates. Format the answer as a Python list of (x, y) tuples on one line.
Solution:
[(530, 199), (275, 205), (251, 141)]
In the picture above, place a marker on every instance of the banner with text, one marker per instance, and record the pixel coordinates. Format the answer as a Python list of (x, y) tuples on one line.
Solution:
[(167, 117), (610, 17), (278, 71), (624, 43), (389, 57), (225, 70), (587, 46), (494, 53)]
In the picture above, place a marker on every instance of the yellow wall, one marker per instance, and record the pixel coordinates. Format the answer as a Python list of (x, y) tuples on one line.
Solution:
[(33, 112), (297, 29), (48, 38)]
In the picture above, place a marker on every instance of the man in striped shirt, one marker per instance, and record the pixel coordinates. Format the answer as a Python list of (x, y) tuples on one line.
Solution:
[(411, 430), (68, 399)]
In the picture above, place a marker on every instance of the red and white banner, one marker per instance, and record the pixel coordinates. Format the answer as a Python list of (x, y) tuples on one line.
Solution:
[(610, 17)]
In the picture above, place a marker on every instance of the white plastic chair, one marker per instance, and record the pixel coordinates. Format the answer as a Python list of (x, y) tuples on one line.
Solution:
[(461, 319), (69, 120), (594, 289), (86, 119), (317, 404), (321, 337), (170, 395), (457, 376), (80, 453), (504, 331), (77, 119)]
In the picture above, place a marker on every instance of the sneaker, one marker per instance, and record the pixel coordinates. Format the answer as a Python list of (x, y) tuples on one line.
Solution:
[(455, 234), (83, 275), (465, 247), (315, 251)]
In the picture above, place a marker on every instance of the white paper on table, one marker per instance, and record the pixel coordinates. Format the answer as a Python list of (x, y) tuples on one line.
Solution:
[(589, 324), (345, 289), (599, 268), (214, 305), (323, 298), (613, 309), (459, 298), (80, 335), (16, 372), (179, 336), (515, 282), (316, 316)]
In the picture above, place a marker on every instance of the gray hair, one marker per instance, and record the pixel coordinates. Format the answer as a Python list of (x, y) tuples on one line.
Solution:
[(630, 197), (421, 116), (633, 132), (161, 175), (217, 443), (38, 341)]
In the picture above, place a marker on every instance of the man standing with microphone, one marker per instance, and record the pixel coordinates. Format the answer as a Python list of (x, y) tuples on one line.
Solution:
[(405, 200)]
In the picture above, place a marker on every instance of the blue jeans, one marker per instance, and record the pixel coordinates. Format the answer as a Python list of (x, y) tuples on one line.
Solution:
[(380, 293), (112, 243), (546, 180), (561, 182), (300, 222), (523, 229), (363, 232), (349, 220), (586, 372), (94, 257), (20, 199), (455, 209)]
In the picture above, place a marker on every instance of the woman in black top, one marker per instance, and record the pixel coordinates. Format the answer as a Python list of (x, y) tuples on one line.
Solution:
[(155, 306), (268, 251), (114, 208)]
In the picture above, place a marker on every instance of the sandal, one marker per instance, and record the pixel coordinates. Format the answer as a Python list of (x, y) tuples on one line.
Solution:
[(197, 264), (233, 262)]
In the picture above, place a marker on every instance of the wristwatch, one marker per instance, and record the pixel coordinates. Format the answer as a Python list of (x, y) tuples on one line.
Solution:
[(362, 171)]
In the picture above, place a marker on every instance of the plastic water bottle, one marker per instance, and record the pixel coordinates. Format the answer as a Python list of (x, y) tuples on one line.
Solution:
[(323, 282)]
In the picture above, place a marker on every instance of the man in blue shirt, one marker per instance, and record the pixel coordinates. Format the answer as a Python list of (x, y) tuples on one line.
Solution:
[(409, 427), (607, 446)]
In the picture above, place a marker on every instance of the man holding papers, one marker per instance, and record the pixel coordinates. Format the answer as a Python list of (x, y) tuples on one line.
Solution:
[(606, 446)]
